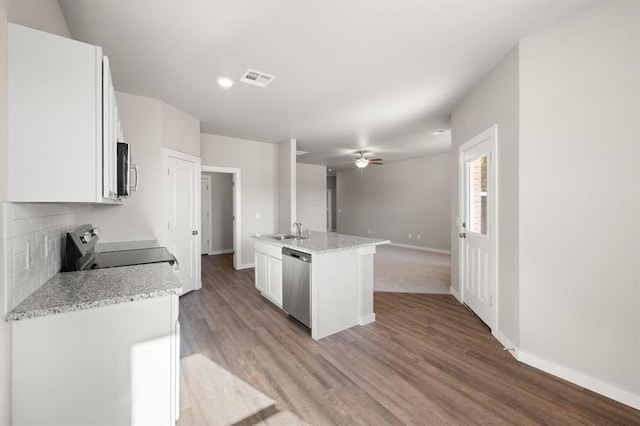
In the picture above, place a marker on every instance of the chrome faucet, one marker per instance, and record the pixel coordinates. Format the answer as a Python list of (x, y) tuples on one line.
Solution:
[(298, 226)]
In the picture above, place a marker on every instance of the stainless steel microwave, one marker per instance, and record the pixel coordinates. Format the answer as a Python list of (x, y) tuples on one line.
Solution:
[(125, 170)]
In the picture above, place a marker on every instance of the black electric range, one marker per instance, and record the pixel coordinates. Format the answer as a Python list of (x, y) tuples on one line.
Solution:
[(80, 254)]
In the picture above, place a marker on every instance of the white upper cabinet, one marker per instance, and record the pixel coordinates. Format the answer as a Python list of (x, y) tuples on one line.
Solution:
[(55, 150)]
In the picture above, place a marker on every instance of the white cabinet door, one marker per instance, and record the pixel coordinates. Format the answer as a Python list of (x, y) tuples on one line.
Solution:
[(54, 119), (107, 365), (111, 134), (274, 283), (261, 272)]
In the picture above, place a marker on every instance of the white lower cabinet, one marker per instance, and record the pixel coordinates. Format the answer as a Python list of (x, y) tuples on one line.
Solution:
[(117, 364), (261, 271), (274, 283), (268, 275)]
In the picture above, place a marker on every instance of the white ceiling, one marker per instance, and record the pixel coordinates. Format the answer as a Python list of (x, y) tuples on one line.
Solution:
[(350, 74)]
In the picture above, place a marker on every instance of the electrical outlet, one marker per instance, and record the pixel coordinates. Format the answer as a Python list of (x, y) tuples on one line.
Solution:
[(368, 231), (258, 216), (418, 236), (409, 236)]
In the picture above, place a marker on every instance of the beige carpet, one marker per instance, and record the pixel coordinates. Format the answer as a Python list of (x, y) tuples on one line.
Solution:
[(404, 270)]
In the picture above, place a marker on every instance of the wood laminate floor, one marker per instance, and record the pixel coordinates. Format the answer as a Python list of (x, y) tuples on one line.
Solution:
[(425, 361)]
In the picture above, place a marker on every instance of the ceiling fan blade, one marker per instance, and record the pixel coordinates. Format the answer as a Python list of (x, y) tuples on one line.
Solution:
[(375, 159), (377, 164)]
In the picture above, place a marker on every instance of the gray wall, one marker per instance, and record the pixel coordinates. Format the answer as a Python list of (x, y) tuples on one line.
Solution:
[(494, 101), (286, 212), (258, 164), (180, 131), (580, 198), (566, 104), (43, 15), (221, 212), (397, 199), (141, 216), (148, 125), (311, 189)]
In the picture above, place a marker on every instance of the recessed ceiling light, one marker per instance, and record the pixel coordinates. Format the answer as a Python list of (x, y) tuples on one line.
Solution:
[(225, 82), (438, 132)]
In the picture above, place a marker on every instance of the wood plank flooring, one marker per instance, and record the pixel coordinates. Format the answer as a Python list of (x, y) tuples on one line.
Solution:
[(425, 361)]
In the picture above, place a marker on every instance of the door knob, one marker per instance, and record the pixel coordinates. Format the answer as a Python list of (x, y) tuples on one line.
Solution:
[(194, 232), (463, 235)]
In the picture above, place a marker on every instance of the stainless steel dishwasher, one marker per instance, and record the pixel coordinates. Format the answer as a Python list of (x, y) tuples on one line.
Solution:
[(296, 285)]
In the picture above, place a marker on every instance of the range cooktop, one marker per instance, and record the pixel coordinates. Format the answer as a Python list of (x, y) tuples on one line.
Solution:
[(80, 253)]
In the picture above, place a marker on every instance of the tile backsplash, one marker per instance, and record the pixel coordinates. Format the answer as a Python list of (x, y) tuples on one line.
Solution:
[(35, 235)]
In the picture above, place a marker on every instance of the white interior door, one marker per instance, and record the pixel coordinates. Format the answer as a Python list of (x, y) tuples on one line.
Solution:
[(205, 214), (478, 225), (182, 215)]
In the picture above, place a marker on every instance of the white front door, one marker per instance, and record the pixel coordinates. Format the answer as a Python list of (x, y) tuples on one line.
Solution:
[(478, 225), (182, 211), (205, 214)]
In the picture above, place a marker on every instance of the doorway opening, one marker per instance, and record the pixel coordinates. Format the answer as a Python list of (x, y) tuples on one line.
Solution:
[(220, 192)]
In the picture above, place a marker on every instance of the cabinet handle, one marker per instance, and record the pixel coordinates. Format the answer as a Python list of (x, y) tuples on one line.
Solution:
[(194, 232)]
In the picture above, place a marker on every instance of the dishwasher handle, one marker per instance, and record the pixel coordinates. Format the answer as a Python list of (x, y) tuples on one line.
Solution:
[(305, 257)]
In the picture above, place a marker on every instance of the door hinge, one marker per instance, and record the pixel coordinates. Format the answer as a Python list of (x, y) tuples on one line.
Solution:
[(168, 172), (491, 300), (168, 225)]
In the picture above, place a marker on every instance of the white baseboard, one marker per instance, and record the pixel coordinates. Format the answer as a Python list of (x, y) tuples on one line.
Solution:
[(367, 319), (215, 252), (246, 266), (581, 379), (455, 294), (433, 250)]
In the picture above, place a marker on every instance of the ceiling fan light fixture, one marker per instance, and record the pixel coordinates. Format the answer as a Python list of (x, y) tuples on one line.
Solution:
[(362, 162)]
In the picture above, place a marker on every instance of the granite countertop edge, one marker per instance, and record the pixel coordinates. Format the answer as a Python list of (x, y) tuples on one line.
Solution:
[(81, 290), (17, 316), (302, 245)]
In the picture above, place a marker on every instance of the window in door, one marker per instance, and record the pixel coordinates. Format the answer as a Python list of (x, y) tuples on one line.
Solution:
[(477, 176)]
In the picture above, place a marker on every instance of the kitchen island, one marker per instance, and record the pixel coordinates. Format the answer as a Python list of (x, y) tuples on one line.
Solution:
[(341, 279)]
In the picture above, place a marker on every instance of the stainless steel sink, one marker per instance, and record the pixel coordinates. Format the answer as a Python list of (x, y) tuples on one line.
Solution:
[(281, 237)]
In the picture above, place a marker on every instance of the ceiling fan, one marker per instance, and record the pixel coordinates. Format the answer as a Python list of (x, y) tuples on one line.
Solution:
[(362, 162)]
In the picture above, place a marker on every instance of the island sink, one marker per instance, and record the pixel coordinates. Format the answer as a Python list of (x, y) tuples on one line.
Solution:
[(281, 237)]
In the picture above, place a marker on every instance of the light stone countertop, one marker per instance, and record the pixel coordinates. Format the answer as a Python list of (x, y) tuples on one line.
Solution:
[(74, 291), (323, 242)]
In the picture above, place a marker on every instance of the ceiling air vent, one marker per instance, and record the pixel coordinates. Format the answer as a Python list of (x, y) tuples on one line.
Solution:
[(256, 78)]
